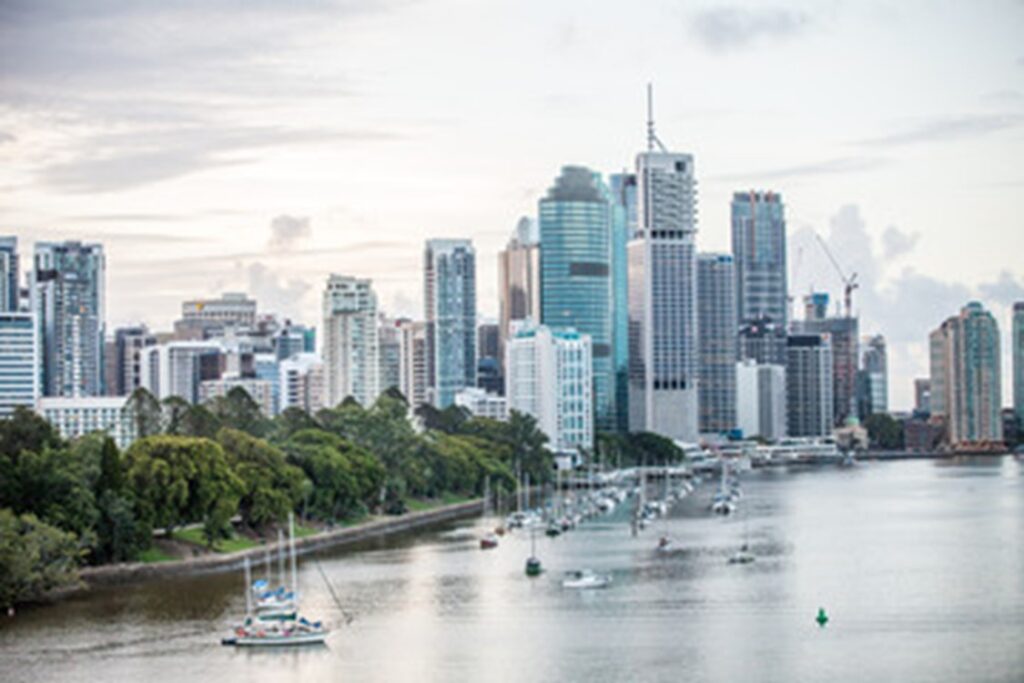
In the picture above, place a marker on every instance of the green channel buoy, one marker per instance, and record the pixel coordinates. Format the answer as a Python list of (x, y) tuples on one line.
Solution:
[(822, 618)]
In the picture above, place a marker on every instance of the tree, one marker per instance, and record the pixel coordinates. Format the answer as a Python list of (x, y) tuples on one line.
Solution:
[(200, 422), (180, 480), (271, 488), (173, 411), (25, 430), (146, 410), (290, 421), (884, 431), (346, 479), (237, 409), (35, 557)]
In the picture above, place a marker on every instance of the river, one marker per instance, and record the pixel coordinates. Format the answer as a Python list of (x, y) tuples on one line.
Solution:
[(919, 564)]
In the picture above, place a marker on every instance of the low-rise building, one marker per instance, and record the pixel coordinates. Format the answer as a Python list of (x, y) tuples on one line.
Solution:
[(482, 403), (73, 417)]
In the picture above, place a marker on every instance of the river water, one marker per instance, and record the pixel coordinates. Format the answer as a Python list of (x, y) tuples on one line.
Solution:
[(919, 564)]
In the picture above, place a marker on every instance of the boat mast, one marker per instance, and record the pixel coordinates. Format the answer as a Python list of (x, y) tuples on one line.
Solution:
[(280, 556), (248, 589), (291, 535)]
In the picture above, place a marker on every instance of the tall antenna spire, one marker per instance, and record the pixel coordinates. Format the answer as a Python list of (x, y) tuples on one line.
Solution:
[(652, 138)]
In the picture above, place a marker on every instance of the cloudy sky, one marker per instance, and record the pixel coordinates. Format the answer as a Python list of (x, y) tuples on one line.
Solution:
[(259, 145)]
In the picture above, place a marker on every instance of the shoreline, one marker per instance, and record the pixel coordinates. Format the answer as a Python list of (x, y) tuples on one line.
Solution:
[(134, 572)]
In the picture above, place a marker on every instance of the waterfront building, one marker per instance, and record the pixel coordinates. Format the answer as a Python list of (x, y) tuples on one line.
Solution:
[(260, 390), (301, 383), (1017, 339), (9, 274), (872, 379), (177, 368), (206, 318), (759, 251), (716, 315), (664, 361), (413, 361), (350, 348), (77, 416), (482, 403), (390, 353), (19, 361), (518, 280), (68, 295), (760, 400), (548, 374), (922, 397), (809, 389), (623, 188), (575, 267), (845, 348), (127, 358), (449, 290), (966, 365)]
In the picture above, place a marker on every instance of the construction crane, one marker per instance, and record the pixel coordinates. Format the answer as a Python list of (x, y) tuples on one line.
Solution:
[(849, 283)]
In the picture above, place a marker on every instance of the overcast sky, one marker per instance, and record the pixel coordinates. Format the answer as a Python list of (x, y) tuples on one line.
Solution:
[(259, 145)]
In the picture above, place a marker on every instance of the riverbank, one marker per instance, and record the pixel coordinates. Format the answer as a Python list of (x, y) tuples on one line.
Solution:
[(130, 572)]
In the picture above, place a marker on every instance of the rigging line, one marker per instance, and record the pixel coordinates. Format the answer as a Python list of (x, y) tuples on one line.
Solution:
[(348, 617)]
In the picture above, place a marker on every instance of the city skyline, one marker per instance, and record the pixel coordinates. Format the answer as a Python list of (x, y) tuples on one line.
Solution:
[(173, 180)]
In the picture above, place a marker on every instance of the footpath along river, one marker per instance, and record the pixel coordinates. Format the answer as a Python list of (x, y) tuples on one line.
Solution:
[(919, 564)]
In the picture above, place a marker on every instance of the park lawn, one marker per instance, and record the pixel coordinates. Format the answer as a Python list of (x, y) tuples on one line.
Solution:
[(229, 545), (154, 554), (421, 504)]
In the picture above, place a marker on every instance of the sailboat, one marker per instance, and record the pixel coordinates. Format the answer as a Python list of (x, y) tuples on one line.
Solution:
[(259, 630), (533, 565), (743, 555)]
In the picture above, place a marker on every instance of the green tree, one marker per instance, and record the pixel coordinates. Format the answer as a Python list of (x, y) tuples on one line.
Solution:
[(181, 480), (884, 431), (237, 410), (35, 557), (290, 421), (346, 479), (271, 488), (146, 410)]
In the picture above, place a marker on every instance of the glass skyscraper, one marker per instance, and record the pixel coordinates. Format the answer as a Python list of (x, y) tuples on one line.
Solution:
[(716, 306), (68, 302), (8, 274), (449, 290), (623, 189), (1017, 338), (576, 233), (759, 250)]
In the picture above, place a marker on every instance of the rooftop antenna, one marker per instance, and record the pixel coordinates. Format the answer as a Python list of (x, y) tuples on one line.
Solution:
[(652, 139)]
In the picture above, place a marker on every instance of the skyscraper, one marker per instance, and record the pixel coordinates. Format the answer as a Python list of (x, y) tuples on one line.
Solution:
[(716, 306), (761, 399), (389, 353), (966, 363), (350, 350), (301, 383), (923, 396), (575, 273), (413, 361), (759, 250), (872, 379), (128, 345), (19, 361), (449, 291), (8, 274), (624, 222), (845, 347), (68, 296), (663, 364), (809, 385), (518, 280), (1017, 337)]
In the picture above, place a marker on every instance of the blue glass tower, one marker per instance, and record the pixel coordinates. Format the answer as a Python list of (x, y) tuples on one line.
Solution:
[(576, 235), (623, 194)]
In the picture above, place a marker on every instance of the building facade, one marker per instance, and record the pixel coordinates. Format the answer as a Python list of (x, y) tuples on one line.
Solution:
[(518, 280), (205, 318), (449, 290), (351, 346), (716, 327), (68, 294), (413, 361), (761, 400), (809, 389), (389, 353), (575, 266), (759, 251), (260, 390), (74, 417), (19, 361), (845, 347), (664, 362), (623, 188), (9, 274), (482, 403), (1017, 339), (873, 378), (127, 358), (548, 376), (301, 383), (177, 368)]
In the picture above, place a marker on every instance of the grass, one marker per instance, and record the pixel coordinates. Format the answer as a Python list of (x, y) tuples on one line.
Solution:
[(154, 554), (228, 545), (304, 531), (421, 504)]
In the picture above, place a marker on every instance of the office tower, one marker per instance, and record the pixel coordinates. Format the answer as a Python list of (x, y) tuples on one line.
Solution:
[(449, 289), (350, 347), (9, 277), (716, 326), (482, 403), (301, 383), (19, 361), (413, 361), (872, 379), (922, 397), (624, 224), (1017, 339), (575, 272), (761, 400), (127, 371), (488, 364), (390, 353), (68, 294), (663, 365), (292, 339), (759, 250), (177, 368), (205, 318), (518, 280), (763, 341), (809, 385), (548, 374), (487, 340), (966, 366), (845, 344), (74, 417)]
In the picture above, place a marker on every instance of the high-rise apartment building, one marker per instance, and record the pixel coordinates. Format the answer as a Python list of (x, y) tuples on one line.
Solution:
[(923, 396), (389, 353), (763, 341), (759, 250), (845, 348), (9, 274), (717, 325), (809, 388), (1017, 339), (449, 290), (19, 361), (872, 379), (413, 361), (761, 400), (575, 265), (664, 359), (966, 366), (350, 347), (518, 280), (301, 383), (549, 376), (68, 294), (127, 361)]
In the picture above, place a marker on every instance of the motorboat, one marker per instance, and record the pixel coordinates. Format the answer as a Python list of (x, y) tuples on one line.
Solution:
[(585, 578), (488, 542), (742, 556)]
